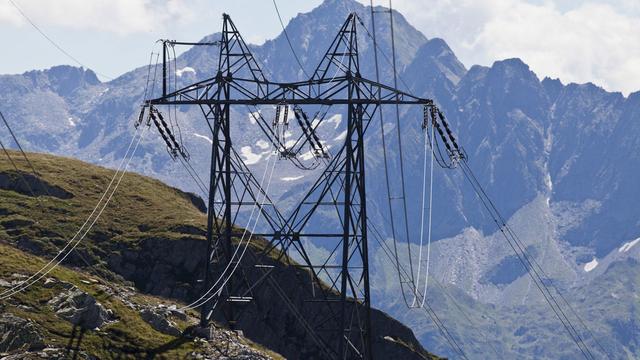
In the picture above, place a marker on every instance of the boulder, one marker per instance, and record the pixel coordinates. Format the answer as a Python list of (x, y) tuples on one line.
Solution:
[(80, 309), (158, 318), (18, 334)]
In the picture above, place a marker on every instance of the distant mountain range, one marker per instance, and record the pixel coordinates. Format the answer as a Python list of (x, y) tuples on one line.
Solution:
[(559, 160)]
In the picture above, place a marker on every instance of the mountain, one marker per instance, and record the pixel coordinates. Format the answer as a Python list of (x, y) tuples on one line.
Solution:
[(123, 290), (559, 161)]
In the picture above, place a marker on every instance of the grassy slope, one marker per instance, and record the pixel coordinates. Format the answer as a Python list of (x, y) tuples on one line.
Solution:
[(129, 334), (141, 207)]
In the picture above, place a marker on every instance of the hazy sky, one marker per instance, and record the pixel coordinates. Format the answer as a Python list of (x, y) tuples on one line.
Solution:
[(577, 41)]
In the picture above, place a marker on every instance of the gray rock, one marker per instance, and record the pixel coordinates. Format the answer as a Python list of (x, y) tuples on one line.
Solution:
[(53, 282), (49, 353), (81, 309), (18, 334), (220, 343), (177, 313), (158, 318)]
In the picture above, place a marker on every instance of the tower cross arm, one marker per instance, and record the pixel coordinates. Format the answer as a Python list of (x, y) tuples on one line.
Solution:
[(330, 91)]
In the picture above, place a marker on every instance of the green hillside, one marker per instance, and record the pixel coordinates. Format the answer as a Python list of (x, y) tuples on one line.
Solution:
[(143, 255), (141, 208)]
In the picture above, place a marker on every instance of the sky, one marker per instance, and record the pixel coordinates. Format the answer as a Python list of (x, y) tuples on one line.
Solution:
[(575, 40)]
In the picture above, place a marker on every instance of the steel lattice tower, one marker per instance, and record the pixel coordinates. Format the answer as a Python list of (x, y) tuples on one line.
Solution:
[(343, 327)]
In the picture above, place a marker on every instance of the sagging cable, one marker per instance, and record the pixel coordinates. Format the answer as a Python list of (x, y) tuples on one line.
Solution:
[(429, 221)]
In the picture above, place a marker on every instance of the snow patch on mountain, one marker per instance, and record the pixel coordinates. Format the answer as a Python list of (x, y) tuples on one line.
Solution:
[(341, 136), (291, 178), (627, 246), (186, 69), (548, 182), (203, 137), (591, 265), (253, 115), (262, 144), (248, 156), (335, 119)]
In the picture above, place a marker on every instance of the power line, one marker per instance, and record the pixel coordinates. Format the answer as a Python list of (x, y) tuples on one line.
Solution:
[(385, 158), (15, 139), (570, 328), (422, 211), (235, 57), (21, 287), (206, 295), (36, 176), (399, 136), (526, 261), (66, 53), (39, 275), (533, 269), (387, 250), (244, 250), (286, 35), (428, 310)]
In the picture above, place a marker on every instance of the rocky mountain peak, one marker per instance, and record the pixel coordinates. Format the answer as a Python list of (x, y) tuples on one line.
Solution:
[(512, 69), (634, 98), (473, 76), (63, 79), (350, 5), (552, 86), (440, 55), (436, 47)]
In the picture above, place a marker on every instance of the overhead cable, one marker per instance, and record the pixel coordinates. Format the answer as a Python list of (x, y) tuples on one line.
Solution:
[(66, 53), (78, 237)]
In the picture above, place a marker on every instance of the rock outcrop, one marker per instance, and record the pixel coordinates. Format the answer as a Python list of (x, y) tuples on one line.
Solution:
[(169, 268), (80, 309), (159, 319), (224, 344), (18, 334)]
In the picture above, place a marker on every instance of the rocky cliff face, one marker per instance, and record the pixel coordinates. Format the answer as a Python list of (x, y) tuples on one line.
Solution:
[(168, 268)]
